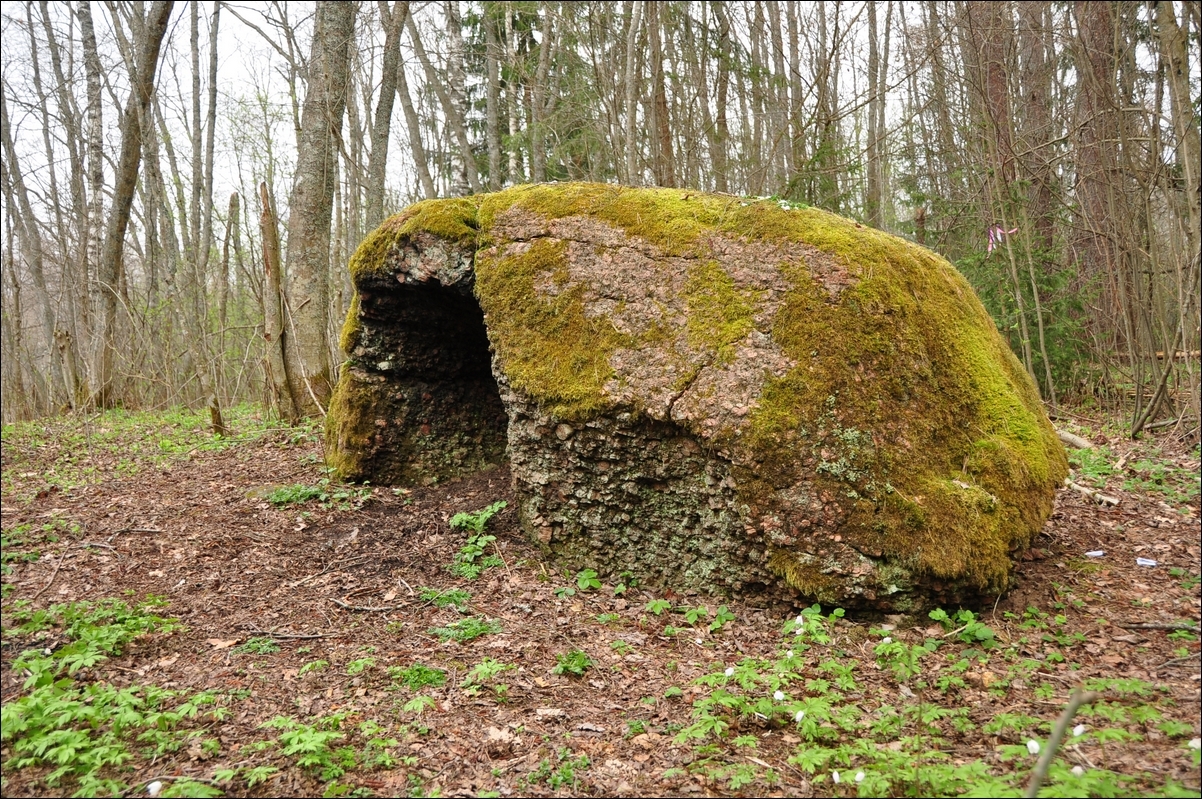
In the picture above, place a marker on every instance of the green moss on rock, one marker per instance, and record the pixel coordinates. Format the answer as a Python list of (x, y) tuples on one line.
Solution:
[(880, 437)]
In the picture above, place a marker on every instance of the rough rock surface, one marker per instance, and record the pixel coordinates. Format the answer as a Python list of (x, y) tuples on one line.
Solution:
[(714, 393)]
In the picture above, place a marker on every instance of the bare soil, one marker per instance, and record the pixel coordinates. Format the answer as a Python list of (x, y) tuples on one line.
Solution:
[(341, 585)]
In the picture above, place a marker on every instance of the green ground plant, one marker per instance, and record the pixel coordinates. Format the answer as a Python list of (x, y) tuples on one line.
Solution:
[(467, 629), (875, 748), (574, 662), (71, 454), (456, 597), (471, 560), (259, 646), (83, 732), (417, 676), (561, 771), (329, 495), (484, 675)]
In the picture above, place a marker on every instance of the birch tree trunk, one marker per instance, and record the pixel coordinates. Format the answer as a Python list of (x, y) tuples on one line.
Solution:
[(492, 96)]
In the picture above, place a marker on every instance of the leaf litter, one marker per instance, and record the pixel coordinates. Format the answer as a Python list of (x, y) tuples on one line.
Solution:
[(349, 595)]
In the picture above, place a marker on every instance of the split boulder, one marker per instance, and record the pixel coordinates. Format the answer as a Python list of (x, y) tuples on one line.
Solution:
[(713, 393)]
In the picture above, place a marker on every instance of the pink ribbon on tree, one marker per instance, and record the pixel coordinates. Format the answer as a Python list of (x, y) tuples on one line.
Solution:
[(995, 236)]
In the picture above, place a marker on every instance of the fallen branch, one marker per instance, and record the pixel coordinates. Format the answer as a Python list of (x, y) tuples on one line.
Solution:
[(1156, 625), (1075, 702), (1175, 661), (333, 566), (345, 606), (289, 636), (1096, 496), (1074, 440)]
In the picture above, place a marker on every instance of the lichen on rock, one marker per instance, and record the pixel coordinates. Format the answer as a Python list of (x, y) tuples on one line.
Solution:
[(718, 394)]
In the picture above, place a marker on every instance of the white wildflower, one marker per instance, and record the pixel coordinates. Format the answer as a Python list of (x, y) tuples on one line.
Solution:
[(1078, 771), (789, 654), (801, 714), (859, 776), (779, 696), (1196, 743), (730, 671), (1033, 747), (1078, 731), (154, 788), (887, 640), (835, 777)]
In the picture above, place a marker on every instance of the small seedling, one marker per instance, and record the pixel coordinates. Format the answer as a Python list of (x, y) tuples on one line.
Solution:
[(442, 599), (721, 619), (417, 676), (475, 522), (587, 580), (466, 629), (574, 662), (658, 606), (313, 665), (259, 646)]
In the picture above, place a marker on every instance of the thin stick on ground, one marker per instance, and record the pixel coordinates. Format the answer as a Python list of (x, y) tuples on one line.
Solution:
[(345, 606), (42, 590), (1075, 702), (1176, 625), (1175, 661)]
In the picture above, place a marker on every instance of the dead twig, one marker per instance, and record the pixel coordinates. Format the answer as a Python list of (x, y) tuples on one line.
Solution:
[(345, 606), (352, 562), (289, 636), (1096, 496), (1175, 661), (1075, 702), (1154, 625), (42, 590)]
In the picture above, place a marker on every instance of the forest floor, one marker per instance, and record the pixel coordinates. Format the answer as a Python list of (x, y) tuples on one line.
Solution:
[(330, 640)]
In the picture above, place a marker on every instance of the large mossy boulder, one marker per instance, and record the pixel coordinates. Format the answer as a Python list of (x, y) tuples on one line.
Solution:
[(714, 393)]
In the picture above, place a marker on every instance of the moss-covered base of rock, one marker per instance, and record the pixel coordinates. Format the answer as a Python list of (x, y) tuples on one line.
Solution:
[(715, 393), (628, 493)]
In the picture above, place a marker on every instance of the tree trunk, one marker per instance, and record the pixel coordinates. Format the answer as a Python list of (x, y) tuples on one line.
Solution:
[(450, 107), (274, 331), (872, 194), (492, 96), (137, 109), (721, 128), (538, 144), (31, 246), (634, 173), (412, 123), (310, 207), (381, 130), (665, 167)]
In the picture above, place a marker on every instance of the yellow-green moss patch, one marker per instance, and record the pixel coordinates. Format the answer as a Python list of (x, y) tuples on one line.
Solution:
[(550, 349)]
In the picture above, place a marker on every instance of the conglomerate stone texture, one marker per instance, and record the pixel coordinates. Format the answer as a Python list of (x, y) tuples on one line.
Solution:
[(712, 393)]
